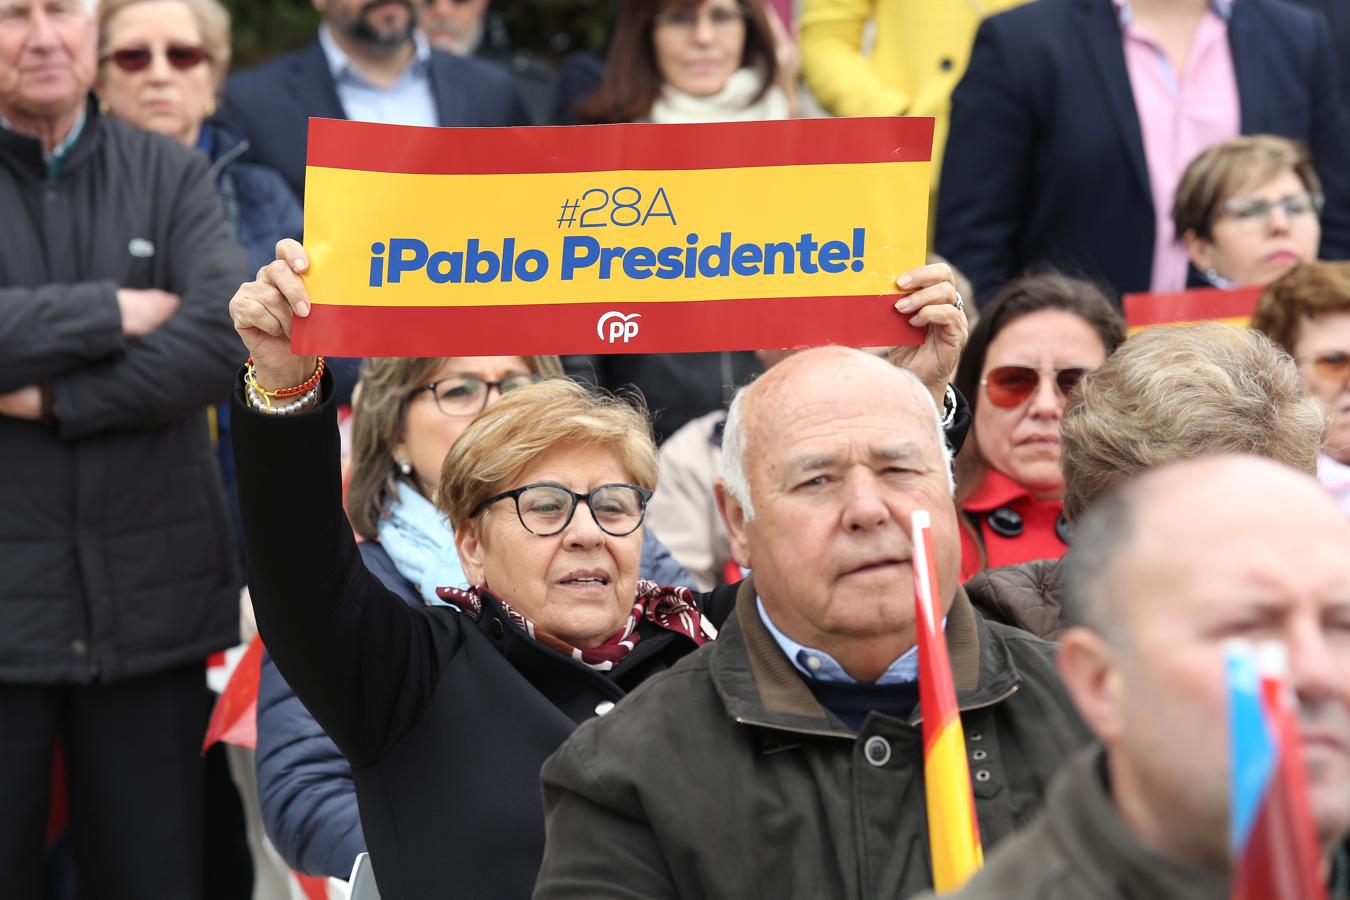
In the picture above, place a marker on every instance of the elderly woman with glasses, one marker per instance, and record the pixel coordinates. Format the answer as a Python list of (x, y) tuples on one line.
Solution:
[(1307, 312), (410, 412), (1028, 350), (1248, 211), (446, 711)]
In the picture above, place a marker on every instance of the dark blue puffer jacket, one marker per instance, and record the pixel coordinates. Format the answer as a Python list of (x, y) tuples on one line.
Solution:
[(305, 785)]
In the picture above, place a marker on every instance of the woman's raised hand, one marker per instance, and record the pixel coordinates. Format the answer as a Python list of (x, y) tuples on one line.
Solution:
[(263, 310)]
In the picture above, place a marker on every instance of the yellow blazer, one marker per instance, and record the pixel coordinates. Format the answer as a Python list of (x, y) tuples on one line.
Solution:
[(919, 55)]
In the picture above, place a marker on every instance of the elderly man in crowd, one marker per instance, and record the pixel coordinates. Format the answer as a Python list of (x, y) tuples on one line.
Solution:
[(786, 760), (114, 338), (1163, 574), (1166, 395)]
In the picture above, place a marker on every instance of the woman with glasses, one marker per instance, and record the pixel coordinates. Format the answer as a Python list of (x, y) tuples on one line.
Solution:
[(162, 64), (1307, 312), (410, 412), (1028, 350), (446, 712), (1248, 210)]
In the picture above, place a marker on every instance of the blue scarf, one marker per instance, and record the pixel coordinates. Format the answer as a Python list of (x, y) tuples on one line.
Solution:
[(421, 544)]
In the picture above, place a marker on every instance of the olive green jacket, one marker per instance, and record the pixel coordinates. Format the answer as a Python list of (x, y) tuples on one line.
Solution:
[(725, 778), (1080, 849)]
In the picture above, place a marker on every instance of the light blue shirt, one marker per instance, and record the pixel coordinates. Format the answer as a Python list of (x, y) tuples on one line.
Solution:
[(820, 666), (408, 101)]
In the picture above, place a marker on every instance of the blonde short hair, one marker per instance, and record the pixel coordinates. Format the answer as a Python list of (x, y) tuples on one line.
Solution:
[(387, 386), (517, 429), (1222, 171), (1178, 392), (213, 21), (1306, 292)]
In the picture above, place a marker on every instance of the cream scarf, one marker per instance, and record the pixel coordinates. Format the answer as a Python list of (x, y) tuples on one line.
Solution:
[(734, 103)]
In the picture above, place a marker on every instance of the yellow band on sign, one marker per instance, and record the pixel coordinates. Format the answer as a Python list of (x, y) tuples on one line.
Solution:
[(552, 214), (612, 239)]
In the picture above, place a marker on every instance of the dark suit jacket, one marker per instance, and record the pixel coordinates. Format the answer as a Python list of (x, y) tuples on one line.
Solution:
[(1045, 161), (270, 103)]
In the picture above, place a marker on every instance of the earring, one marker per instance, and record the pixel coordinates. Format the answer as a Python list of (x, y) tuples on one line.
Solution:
[(1212, 275), (103, 107), (404, 467), (210, 109)]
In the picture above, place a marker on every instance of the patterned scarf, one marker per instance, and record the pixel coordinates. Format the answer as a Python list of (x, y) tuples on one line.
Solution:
[(672, 608)]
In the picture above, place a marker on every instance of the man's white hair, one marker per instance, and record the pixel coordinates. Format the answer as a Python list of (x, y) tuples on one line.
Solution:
[(734, 475)]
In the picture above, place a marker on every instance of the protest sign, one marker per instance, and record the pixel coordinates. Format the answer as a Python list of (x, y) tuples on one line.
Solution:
[(1234, 307), (611, 239)]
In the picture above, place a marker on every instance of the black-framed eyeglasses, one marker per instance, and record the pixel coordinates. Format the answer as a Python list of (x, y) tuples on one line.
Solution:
[(468, 396), (546, 507)]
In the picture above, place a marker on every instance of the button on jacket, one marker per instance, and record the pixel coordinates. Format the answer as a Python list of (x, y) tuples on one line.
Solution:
[(725, 778), (114, 541)]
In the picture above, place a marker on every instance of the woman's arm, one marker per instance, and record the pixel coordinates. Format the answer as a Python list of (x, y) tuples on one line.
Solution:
[(360, 659)]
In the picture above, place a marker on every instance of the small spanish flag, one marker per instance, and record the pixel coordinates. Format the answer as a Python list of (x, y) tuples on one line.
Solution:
[(1272, 838), (953, 832), (1231, 307)]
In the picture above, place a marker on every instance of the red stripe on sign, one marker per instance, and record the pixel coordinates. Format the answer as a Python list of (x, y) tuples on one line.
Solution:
[(1190, 306), (370, 147), (602, 327)]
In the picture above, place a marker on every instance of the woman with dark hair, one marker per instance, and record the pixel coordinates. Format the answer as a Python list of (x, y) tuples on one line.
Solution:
[(695, 61), (1032, 344), (688, 61)]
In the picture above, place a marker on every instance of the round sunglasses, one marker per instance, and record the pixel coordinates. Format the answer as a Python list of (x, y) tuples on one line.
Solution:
[(1011, 386), (137, 59)]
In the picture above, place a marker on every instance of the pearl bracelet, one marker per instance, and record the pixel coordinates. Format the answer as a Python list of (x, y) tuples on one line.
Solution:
[(259, 403)]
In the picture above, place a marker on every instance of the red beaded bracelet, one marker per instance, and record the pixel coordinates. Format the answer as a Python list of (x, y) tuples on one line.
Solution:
[(285, 392)]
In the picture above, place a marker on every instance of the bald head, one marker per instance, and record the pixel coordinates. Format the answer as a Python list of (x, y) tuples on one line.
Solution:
[(820, 377), (1165, 574)]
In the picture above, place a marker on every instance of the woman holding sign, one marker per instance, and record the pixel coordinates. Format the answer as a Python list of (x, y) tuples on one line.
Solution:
[(446, 713)]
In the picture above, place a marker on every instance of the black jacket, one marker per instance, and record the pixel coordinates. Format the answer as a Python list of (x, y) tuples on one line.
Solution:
[(725, 778), (270, 104), (445, 719), (1045, 161), (114, 543)]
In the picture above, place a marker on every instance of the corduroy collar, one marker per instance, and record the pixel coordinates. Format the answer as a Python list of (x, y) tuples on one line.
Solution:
[(759, 685)]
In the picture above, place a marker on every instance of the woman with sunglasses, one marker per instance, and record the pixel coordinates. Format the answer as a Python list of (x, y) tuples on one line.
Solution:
[(410, 412), (1307, 312), (1028, 350), (1248, 211), (162, 64)]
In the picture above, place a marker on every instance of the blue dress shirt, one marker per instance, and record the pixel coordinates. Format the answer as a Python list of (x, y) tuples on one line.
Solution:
[(408, 101), (818, 665)]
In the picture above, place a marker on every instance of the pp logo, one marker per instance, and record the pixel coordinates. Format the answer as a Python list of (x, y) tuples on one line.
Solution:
[(615, 325)]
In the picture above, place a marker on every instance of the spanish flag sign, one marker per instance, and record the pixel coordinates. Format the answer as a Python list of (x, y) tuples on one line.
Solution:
[(611, 239), (1232, 307)]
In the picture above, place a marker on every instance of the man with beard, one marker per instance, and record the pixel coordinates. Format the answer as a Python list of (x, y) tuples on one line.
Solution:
[(369, 63), (1163, 574)]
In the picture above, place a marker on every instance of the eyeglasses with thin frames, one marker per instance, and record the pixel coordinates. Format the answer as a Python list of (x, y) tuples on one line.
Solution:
[(1254, 213), (1332, 365), (545, 508), (722, 18), (137, 59), (1011, 386), (468, 396)]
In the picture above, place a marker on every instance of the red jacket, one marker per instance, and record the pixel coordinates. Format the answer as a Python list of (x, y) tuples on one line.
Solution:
[(1039, 537)]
